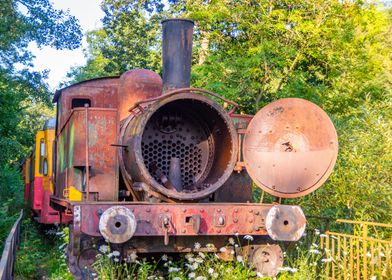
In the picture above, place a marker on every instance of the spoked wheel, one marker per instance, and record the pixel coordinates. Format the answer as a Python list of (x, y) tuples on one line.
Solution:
[(266, 259)]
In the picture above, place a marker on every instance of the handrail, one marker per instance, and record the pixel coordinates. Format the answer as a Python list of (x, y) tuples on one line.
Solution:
[(9, 253), (363, 223)]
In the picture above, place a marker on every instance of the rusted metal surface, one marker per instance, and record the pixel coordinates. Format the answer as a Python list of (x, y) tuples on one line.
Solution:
[(102, 93), (117, 224), (238, 188), (137, 85), (215, 218), (71, 154), (290, 147), (285, 222), (8, 257), (266, 259), (176, 53), (189, 126)]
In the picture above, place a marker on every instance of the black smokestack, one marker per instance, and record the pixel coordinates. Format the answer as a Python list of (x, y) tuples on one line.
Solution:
[(176, 53)]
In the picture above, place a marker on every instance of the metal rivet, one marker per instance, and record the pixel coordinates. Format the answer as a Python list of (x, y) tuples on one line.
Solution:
[(251, 221), (201, 210), (184, 210), (219, 210), (250, 211), (236, 210), (148, 210), (147, 231), (235, 220), (183, 231), (219, 231)]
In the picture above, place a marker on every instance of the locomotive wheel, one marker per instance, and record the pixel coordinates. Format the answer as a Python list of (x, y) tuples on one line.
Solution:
[(266, 259), (80, 265)]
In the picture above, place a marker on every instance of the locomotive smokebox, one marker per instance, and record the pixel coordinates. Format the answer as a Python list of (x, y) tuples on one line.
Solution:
[(183, 146), (176, 53)]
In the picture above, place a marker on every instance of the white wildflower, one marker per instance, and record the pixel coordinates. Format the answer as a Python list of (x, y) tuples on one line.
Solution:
[(132, 257), (191, 260), (191, 275), (210, 246), (236, 234), (316, 231), (248, 237), (210, 270), (327, 260), (240, 259), (284, 268), (164, 257), (104, 249), (189, 266), (189, 255), (110, 255), (374, 277), (236, 245), (199, 260), (116, 259), (345, 253), (173, 269), (222, 250), (289, 269), (201, 278), (201, 254), (368, 254), (314, 251), (382, 254), (116, 253), (232, 252), (259, 275), (195, 265), (197, 245), (215, 275), (231, 241), (177, 278)]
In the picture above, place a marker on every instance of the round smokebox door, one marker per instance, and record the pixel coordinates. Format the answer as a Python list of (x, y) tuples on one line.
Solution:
[(290, 147)]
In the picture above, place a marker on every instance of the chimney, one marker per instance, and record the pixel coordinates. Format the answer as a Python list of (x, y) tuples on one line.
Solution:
[(176, 53)]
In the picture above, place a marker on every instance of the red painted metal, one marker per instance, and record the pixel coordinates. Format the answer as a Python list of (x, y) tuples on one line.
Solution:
[(215, 218), (37, 194)]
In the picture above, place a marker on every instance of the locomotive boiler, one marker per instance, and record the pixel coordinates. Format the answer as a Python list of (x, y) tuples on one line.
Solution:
[(149, 164)]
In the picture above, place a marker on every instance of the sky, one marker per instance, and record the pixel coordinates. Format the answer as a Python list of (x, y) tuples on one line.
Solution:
[(58, 62)]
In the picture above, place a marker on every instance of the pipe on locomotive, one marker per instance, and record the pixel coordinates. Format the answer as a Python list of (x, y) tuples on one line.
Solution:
[(176, 53)]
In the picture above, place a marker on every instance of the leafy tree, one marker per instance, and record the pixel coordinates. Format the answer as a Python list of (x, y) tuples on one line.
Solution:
[(22, 22)]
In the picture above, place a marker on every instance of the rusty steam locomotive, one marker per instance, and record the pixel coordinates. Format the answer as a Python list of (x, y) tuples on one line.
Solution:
[(152, 165)]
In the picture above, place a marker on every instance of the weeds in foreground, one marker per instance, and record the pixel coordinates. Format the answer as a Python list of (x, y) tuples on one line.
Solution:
[(41, 254)]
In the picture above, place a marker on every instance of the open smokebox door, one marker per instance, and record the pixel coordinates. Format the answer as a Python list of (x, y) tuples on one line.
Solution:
[(186, 149), (290, 148)]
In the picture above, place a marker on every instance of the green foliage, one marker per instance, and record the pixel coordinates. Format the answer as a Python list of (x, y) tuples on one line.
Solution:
[(21, 88), (11, 198), (41, 254)]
